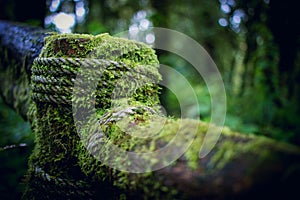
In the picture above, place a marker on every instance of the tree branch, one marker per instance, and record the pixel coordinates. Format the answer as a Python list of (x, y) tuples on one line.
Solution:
[(20, 44)]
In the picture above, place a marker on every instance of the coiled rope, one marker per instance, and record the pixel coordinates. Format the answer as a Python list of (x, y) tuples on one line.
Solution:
[(52, 79), (79, 188)]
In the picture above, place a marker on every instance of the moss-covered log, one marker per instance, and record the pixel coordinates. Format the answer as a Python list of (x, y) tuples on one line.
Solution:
[(70, 159), (20, 44)]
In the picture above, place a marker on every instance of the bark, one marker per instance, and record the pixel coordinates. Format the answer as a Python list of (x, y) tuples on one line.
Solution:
[(239, 167), (20, 44)]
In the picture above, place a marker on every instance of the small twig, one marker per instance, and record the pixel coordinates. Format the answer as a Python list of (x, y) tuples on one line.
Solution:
[(13, 146)]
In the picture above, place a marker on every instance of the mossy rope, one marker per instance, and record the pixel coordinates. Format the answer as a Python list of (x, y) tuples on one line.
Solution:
[(52, 81), (53, 78)]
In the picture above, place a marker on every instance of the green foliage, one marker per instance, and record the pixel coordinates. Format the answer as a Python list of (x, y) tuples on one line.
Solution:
[(13, 159), (248, 58)]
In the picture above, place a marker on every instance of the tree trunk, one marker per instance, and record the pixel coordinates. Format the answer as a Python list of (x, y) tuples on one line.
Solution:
[(73, 161)]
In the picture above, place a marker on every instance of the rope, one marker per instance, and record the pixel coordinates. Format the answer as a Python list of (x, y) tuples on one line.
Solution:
[(77, 62), (57, 99), (96, 137), (53, 79), (118, 115), (66, 81), (62, 186)]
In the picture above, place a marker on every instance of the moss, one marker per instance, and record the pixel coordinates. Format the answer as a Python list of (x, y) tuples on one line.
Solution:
[(126, 99), (144, 123), (14, 82), (62, 154), (234, 146), (58, 150), (70, 45)]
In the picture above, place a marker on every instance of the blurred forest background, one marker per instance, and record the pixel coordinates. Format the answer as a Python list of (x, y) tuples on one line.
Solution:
[(254, 43)]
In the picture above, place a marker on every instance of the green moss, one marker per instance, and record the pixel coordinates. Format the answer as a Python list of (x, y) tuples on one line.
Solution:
[(70, 45), (126, 98), (235, 146), (14, 82), (62, 154), (145, 124), (59, 150)]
